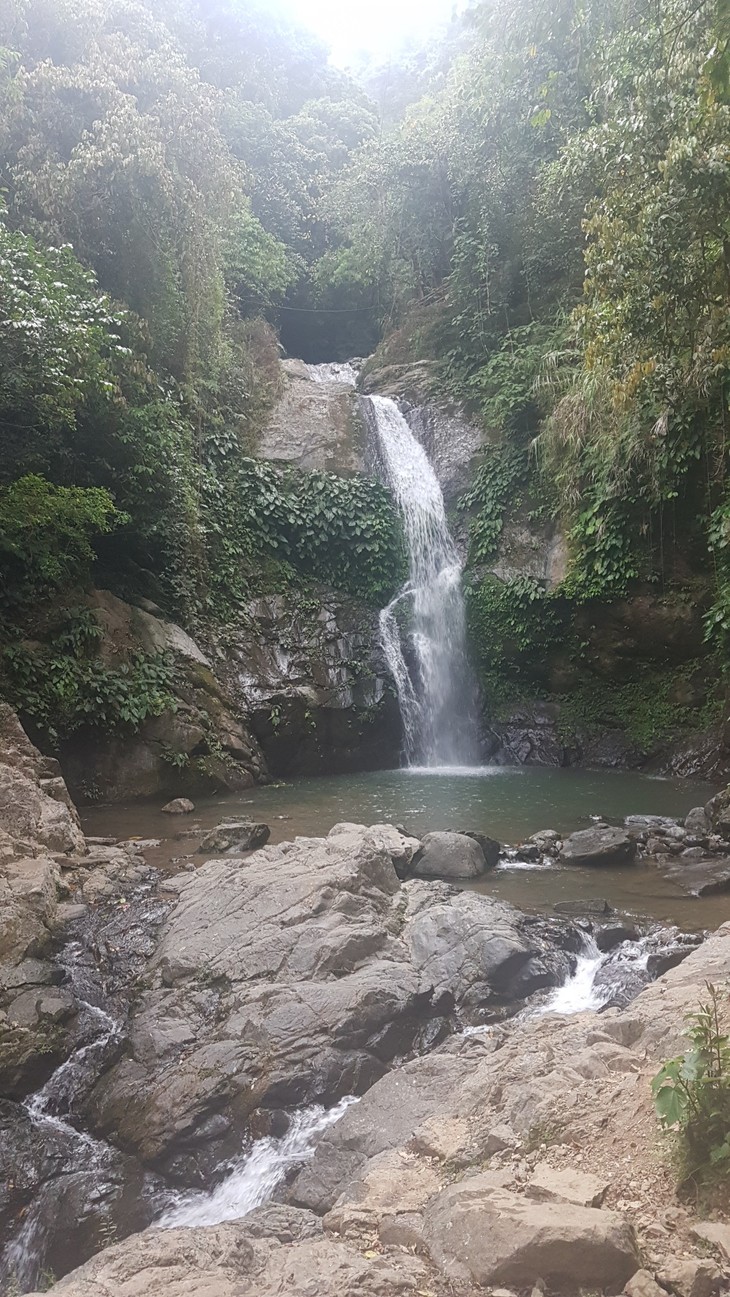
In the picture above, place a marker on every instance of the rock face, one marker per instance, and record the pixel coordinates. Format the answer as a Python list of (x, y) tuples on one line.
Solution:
[(450, 855), (204, 744), (598, 847), (315, 684), (276, 1250), (314, 425), (302, 972), (37, 830)]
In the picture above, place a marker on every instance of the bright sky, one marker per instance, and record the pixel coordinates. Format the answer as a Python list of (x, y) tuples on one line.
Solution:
[(377, 27)]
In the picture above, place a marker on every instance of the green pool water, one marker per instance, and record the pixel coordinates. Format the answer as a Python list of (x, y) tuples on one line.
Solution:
[(507, 803)]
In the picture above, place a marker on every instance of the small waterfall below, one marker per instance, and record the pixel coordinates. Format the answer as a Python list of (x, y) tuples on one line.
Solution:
[(254, 1177), (436, 696)]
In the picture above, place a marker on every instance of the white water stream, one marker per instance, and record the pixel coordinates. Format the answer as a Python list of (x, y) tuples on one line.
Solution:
[(254, 1177)]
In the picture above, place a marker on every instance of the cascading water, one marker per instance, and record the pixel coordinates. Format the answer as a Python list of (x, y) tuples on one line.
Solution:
[(437, 699), (253, 1178)]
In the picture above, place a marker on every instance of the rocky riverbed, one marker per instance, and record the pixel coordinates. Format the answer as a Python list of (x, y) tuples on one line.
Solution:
[(155, 1028)]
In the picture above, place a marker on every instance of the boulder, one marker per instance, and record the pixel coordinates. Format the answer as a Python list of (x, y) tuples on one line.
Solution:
[(179, 806), (449, 855), (697, 822), (643, 1284), (547, 841), (610, 935), (598, 846), (717, 811), (703, 877), (491, 848), (565, 1184), (493, 1236), (690, 1277), (233, 836), (714, 1232), (398, 844)]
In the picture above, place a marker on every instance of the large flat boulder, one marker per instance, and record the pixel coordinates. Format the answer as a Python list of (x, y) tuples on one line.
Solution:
[(703, 877), (496, 1237), (599, 846)]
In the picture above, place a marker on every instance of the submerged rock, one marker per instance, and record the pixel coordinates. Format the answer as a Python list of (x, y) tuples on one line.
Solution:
[(704, 876), (235, 835), (179, 806), (598, 846)]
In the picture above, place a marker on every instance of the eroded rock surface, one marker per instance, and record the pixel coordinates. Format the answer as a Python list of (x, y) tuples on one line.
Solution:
[(464, 1170), (303, 971)]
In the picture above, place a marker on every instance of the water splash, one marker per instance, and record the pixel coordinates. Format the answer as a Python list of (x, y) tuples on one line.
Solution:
[(253, 1179), (436, 696), (585, 990), (335, 372)]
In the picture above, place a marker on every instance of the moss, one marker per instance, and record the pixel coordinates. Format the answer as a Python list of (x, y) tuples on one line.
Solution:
[(647, 709)]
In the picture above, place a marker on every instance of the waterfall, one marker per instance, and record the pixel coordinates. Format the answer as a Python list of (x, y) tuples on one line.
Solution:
[(436, 697), (436, 692)]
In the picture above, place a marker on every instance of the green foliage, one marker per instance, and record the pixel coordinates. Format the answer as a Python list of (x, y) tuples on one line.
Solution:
[(496, 485), (512, 626), (45, 537), (342, 531), (692, 1093), (62, 686), (647, 708)]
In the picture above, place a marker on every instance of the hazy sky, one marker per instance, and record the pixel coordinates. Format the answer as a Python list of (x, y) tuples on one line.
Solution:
[(379, 27)]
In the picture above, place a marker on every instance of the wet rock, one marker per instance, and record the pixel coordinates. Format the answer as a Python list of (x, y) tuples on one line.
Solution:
[(232, 836), (491, 849), (659, 847), (703, 877), (670, 949), (698, 822), (614, 934), (493, 1236), (598, 846), (449, 855), (595, 905), (547, 841), (179, 806), (478, 950)]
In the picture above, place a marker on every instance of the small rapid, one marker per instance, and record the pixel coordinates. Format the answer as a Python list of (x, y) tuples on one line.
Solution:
[(599, 977), (253, 1178)]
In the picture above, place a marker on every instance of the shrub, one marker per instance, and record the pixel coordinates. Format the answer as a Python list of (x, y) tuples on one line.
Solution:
[(692, 1093)]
